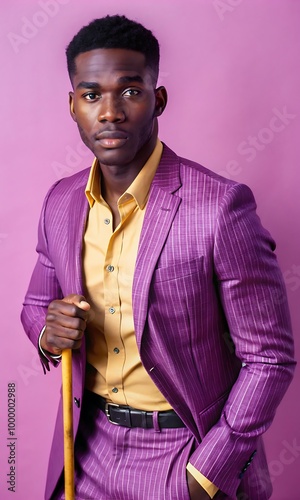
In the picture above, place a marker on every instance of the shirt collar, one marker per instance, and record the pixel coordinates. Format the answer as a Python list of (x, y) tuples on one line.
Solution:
[(139, 188)]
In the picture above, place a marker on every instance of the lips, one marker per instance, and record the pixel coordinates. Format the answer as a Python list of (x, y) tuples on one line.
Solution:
[(111, 139)]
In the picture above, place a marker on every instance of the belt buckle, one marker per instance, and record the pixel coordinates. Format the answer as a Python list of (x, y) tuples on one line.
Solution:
[(122, 417), (107, 405)]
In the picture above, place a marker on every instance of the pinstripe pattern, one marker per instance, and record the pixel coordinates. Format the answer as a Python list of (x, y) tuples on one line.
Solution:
[(117, 463), (205, 267)]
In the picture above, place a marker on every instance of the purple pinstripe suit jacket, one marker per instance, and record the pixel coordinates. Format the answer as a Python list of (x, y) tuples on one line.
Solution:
[(210, 313)]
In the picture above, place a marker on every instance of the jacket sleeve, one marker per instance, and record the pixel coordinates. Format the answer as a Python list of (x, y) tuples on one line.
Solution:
[(253, 297), (43, 288)]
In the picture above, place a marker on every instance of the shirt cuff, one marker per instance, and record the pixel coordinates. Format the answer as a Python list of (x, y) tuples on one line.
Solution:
[(48, 355), (210, 488)]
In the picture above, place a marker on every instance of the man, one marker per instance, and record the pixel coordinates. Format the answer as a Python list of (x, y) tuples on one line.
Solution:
[(160, 277)]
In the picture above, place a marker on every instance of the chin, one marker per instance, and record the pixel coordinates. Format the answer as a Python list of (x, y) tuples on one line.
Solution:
[(115, 157)]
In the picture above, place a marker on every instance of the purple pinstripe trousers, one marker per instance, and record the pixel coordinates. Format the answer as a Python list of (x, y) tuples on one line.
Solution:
[(120, 463)]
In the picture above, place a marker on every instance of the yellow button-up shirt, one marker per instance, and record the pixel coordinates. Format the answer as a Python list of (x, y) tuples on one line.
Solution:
[(114, 368)]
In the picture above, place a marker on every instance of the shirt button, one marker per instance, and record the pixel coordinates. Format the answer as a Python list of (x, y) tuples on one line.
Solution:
[(112, 310), (110, 269), (106, 221), (116, 350), (115, 390)]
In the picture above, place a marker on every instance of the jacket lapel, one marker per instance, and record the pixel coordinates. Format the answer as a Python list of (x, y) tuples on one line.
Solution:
[(160, 211), (78, 212), (77, 220)]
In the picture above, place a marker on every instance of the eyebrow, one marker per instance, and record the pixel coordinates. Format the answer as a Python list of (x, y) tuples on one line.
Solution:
[(129, 79), (121, 80), (87, 85)]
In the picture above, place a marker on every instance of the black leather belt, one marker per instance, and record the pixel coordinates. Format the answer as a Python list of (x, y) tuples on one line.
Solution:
[(126, 416)]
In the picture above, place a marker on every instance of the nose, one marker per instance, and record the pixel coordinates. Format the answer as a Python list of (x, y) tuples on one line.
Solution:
[(111, 110)]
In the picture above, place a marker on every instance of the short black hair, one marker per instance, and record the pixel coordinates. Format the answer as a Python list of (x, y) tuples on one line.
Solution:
[(114, 32)]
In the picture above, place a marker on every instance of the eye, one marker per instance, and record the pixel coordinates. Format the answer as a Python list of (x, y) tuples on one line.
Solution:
[(131, 92), (91, 96)]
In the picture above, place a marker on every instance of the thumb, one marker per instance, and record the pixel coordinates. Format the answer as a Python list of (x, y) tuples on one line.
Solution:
[(83, 304), (78, 300)]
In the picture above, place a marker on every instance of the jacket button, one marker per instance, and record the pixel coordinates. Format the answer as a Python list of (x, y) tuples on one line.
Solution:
[(77, 402)]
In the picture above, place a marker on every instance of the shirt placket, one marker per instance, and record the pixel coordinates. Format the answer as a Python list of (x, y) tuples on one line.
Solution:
[(113, 305)]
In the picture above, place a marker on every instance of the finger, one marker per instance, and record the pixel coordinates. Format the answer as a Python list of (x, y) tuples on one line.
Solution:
[(62, 343), (62, 307), (84, 305), (59, 321), (78, 300), (64, 338)]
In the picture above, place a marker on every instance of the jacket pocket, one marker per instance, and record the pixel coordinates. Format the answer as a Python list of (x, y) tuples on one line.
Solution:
[(178, 270), (208, 417)]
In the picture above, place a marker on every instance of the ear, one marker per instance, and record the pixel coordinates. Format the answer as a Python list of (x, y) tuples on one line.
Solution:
[(161, 99), (71, 104)]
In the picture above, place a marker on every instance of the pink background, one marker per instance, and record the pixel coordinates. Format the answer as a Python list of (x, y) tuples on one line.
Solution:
[(231, 67)]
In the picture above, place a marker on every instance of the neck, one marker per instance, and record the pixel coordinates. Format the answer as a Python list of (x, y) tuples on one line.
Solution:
[(115, 179)]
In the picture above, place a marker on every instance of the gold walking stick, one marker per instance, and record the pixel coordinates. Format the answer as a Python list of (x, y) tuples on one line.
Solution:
[(68, 423)]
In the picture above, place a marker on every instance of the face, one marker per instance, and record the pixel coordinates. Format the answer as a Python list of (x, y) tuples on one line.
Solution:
[(116, 105)]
